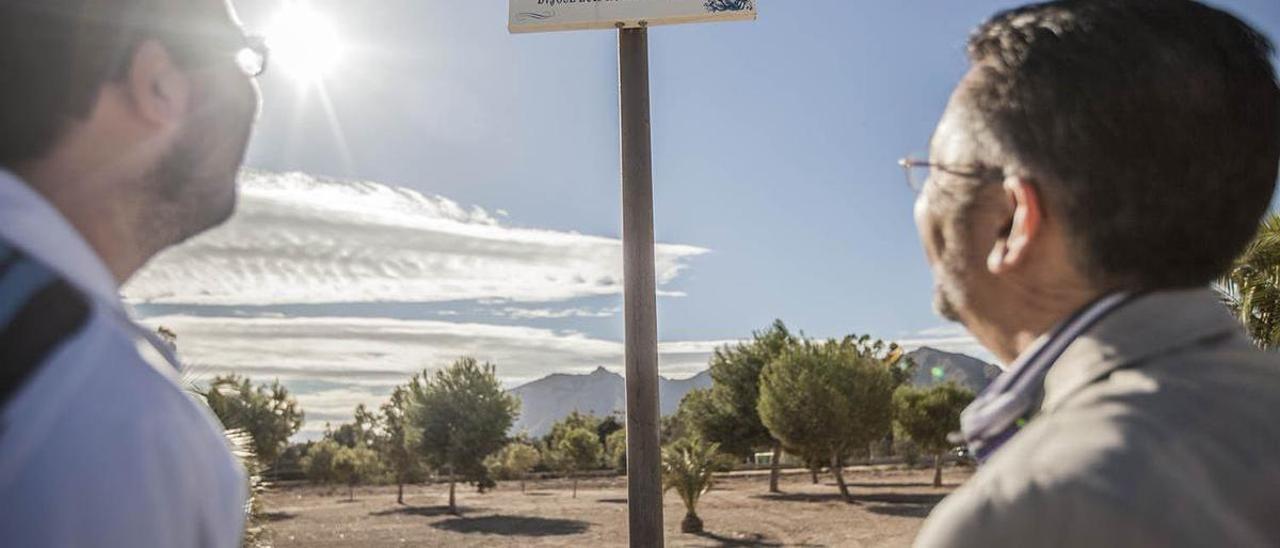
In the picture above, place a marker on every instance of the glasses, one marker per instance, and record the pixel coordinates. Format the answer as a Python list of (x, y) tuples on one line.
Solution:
[(199, 50), (253, 55), (919, 171)]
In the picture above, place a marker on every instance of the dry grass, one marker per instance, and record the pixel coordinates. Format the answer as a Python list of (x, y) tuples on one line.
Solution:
[(887, 510)]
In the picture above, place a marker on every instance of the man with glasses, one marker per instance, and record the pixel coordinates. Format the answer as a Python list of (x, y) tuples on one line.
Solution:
[(123, 124), (1098, 167)]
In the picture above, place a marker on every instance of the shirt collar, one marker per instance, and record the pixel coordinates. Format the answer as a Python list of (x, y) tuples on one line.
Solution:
[(33, 225)]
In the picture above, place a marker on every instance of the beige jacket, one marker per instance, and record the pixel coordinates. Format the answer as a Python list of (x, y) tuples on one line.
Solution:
[(1160, 427)]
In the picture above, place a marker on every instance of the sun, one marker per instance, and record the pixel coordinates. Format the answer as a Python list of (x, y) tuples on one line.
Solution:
[(304, 42)]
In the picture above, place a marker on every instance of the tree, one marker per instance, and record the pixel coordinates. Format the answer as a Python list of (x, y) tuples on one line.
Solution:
[(888, 354), (825, 401), (1251, 288), (318, 464), (578, 449), (355, 465), (289, 463), (241, 444), (615, 450), (514, 461), (399, 442), (730, 416), (676, 425), (483, 479), (572, 421), (814, 464), (362, 432), (462, 414), (267, 412), (608, 426), (699, 414), (928, 415), (901, 367), (687, 466)]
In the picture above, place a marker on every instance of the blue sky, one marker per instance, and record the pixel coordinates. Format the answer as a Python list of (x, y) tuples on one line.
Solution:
[(774, 159)]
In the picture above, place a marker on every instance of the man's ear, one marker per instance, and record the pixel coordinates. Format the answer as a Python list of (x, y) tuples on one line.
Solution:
[(155, 87), (1012, 248)]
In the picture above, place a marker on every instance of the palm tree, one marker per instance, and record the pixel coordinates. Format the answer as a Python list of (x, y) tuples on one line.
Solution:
[(241, 444), (240, 441), (1251, 289), (687, 467)]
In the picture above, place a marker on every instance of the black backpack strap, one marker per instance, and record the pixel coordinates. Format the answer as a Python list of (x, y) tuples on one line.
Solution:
[(38, 312)]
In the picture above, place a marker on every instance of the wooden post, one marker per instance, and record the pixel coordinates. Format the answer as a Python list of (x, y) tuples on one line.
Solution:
[(644, 458)]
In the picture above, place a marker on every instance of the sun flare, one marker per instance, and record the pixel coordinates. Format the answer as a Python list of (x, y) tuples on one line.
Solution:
[(304, 42)]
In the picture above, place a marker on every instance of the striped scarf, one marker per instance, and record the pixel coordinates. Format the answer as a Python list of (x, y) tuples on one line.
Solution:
[(1008, 403)]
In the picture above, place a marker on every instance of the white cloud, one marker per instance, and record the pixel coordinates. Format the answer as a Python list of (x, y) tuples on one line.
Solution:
[(300, 239), (682, 359), (695, 347), (551, 313), (335, 406), (947, 330), (377, 349)]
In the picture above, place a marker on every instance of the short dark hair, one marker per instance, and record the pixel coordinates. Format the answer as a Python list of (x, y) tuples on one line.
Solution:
[(55, 55), (1153, 127)]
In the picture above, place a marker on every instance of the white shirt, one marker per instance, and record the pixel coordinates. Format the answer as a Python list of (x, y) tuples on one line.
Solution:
[(102, 445)]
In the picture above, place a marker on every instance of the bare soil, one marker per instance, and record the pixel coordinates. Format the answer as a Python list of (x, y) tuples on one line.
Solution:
[(887, 509)]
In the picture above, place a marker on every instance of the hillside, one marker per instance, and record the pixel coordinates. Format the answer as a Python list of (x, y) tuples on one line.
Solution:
[(600, 392), (934, 366)]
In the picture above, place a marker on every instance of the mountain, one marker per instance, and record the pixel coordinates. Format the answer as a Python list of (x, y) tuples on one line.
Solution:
[(601, 392), (934, 366)]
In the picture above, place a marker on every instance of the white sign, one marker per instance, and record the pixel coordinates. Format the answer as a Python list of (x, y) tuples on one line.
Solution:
[(553, 15)]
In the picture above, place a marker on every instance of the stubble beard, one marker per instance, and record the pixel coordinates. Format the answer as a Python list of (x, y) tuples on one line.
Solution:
[(193, 187), (950, 274), (945, 295)]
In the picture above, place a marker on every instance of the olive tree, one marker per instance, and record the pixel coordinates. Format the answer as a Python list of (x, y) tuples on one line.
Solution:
[(615, 450), (398, 445), (578, 449), (574, 419), (354, 466), (462, 415), (318, 463), (514, 461), (360, 432)]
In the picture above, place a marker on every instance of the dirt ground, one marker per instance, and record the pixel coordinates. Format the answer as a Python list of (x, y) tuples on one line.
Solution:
[(888, 508)]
